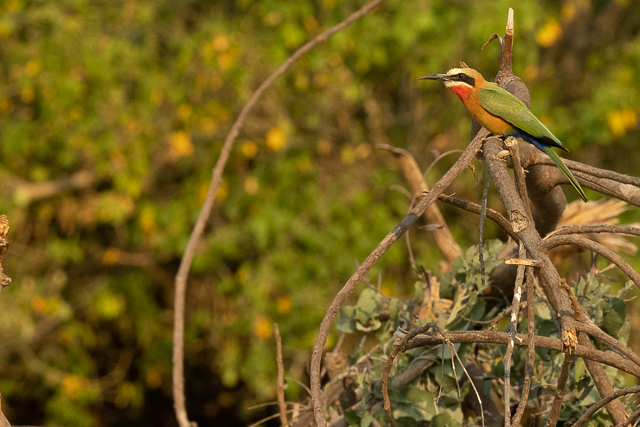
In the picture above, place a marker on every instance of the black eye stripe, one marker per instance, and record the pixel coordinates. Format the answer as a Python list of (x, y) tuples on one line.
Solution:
[(461, 77)]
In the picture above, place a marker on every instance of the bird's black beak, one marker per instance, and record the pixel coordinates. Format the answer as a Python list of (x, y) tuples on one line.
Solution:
[(434, 77)]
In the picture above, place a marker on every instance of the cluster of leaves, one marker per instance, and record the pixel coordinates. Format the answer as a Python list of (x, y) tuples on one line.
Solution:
[(112, 115), (438, 394)]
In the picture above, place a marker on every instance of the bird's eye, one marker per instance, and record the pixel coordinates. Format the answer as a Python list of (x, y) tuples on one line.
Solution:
[(461, 76)]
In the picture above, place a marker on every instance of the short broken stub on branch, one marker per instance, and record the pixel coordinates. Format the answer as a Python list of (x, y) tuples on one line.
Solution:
[(4, 244)]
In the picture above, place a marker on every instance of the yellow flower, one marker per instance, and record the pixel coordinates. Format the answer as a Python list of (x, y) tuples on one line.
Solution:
[(620, 121), (32, 68), (283, 305), (548, 34), (347, 155), (71, 386), (220, 42), (154, 377), (249, 149), (275, 139), (148, 222), (181, 144), (27, 95), (251, 185), (262, 328)]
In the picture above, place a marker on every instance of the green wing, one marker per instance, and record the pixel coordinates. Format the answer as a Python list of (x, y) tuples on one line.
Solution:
[(503, 104)]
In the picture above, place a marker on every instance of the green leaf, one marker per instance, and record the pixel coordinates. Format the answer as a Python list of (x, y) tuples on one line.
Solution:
[(346, 320)]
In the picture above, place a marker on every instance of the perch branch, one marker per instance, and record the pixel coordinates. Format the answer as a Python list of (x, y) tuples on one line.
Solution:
[(531, 239)]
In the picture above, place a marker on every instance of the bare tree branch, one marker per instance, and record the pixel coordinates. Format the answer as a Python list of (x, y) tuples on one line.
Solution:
[(503, 338), (599, 404), (562, 240)]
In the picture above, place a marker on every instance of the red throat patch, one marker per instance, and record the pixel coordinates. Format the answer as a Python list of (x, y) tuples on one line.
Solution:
[(461, 90)]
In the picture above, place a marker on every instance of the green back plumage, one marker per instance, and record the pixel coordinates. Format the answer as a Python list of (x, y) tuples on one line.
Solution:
[(503, 104)]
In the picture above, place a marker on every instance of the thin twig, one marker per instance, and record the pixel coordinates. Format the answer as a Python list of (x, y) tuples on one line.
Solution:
[(494, 337), (562, 240), (455, 353), (599, 404), (583, 229), (387, 369), (189, 253), (588, 327), (280, 384), (533, 156), (531, 351), (492, 214), (493, 321), (440, 157), (316, 357), (631, 420), (562, 382), (483, 210), (513, 329)]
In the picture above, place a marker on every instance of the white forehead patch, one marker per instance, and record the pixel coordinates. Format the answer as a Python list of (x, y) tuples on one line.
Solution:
[(453, 71)]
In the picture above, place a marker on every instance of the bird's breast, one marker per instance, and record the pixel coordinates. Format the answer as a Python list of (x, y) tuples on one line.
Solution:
[(494, 124)]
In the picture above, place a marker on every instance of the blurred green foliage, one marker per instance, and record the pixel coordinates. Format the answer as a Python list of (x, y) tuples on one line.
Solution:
[(112, 115)]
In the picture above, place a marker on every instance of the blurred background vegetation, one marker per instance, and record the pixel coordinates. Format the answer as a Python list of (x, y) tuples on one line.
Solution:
[(113, 113)]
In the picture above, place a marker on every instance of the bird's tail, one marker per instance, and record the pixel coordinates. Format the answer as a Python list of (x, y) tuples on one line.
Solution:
[(565, 170)]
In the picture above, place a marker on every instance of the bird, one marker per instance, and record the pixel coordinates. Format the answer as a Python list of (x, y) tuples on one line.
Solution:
[(501, 113)]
